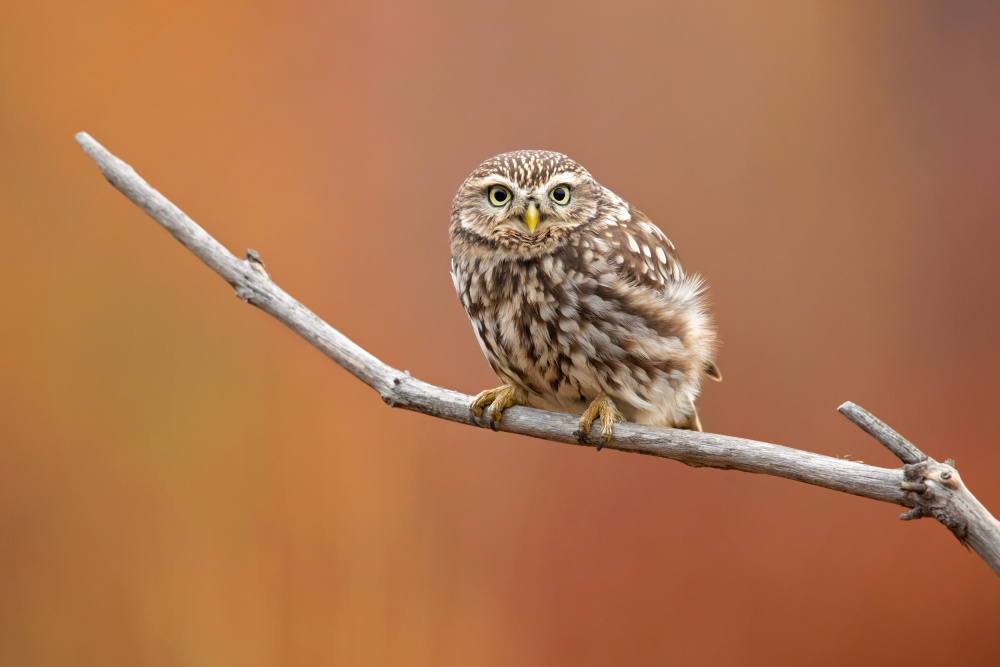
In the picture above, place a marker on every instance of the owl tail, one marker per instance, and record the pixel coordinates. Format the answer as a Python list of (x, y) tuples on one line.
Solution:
[(690, 420)]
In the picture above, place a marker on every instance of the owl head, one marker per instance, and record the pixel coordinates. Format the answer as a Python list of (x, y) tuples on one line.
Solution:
[(525, 202)]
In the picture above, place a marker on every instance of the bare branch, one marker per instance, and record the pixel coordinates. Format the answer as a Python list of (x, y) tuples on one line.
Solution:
[(927, 486)]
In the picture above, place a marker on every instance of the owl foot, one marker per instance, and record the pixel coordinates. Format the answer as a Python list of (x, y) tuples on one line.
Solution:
[(602, 407), (498, 400)]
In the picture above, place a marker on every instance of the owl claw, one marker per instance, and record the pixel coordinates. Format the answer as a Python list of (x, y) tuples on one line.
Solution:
[(604, 408), (496, 401)]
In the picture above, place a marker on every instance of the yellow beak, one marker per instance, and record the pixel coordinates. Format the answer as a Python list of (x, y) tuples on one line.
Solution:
[(531, 216)]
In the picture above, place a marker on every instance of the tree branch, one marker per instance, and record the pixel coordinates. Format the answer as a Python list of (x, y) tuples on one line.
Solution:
[(929, 487)]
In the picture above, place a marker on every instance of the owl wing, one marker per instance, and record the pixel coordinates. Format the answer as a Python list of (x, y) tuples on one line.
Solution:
[(644, 256), (642, 253)]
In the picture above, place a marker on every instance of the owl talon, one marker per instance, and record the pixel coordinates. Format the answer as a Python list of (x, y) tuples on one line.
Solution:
[(496, 401), (604, 408)]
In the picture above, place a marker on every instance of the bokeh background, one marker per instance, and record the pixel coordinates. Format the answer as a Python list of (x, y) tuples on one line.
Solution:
[(184, 481)]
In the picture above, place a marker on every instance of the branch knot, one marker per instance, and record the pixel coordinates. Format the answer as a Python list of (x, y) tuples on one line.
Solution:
[(932, 486)]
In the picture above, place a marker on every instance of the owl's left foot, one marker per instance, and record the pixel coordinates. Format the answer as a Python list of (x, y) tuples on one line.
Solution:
[(605, 408), (496, 401)]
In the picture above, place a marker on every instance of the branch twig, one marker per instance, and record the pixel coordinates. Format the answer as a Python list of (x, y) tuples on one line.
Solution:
[(929, 487), (881, 431)]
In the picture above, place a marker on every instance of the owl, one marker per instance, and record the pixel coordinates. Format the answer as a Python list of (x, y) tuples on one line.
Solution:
[(578, 300)]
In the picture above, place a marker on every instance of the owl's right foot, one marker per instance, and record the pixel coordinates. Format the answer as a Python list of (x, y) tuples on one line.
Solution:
[(498, 400), (604, 408)]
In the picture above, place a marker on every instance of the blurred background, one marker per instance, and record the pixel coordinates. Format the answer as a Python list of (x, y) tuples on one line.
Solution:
[(184, 481)]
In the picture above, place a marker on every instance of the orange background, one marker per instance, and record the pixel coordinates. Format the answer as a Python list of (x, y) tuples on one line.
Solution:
[(184, 481)]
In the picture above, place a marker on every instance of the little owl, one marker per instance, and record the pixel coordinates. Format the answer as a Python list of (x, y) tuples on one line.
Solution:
[(578, 300)]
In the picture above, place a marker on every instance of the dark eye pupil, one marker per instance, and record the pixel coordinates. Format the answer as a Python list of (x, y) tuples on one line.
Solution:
[(499, 195), (560, 194)]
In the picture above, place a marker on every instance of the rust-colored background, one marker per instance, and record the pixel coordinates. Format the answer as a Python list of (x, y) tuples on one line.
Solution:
[(184, 481)]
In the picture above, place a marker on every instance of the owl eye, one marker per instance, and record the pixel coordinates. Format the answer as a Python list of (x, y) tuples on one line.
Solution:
[(560, 194), (499, 195)]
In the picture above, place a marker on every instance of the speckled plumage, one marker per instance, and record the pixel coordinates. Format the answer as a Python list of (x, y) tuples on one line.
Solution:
[(592, 302)]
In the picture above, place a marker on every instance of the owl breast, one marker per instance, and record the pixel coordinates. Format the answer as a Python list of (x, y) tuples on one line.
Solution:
[(566, 326)]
